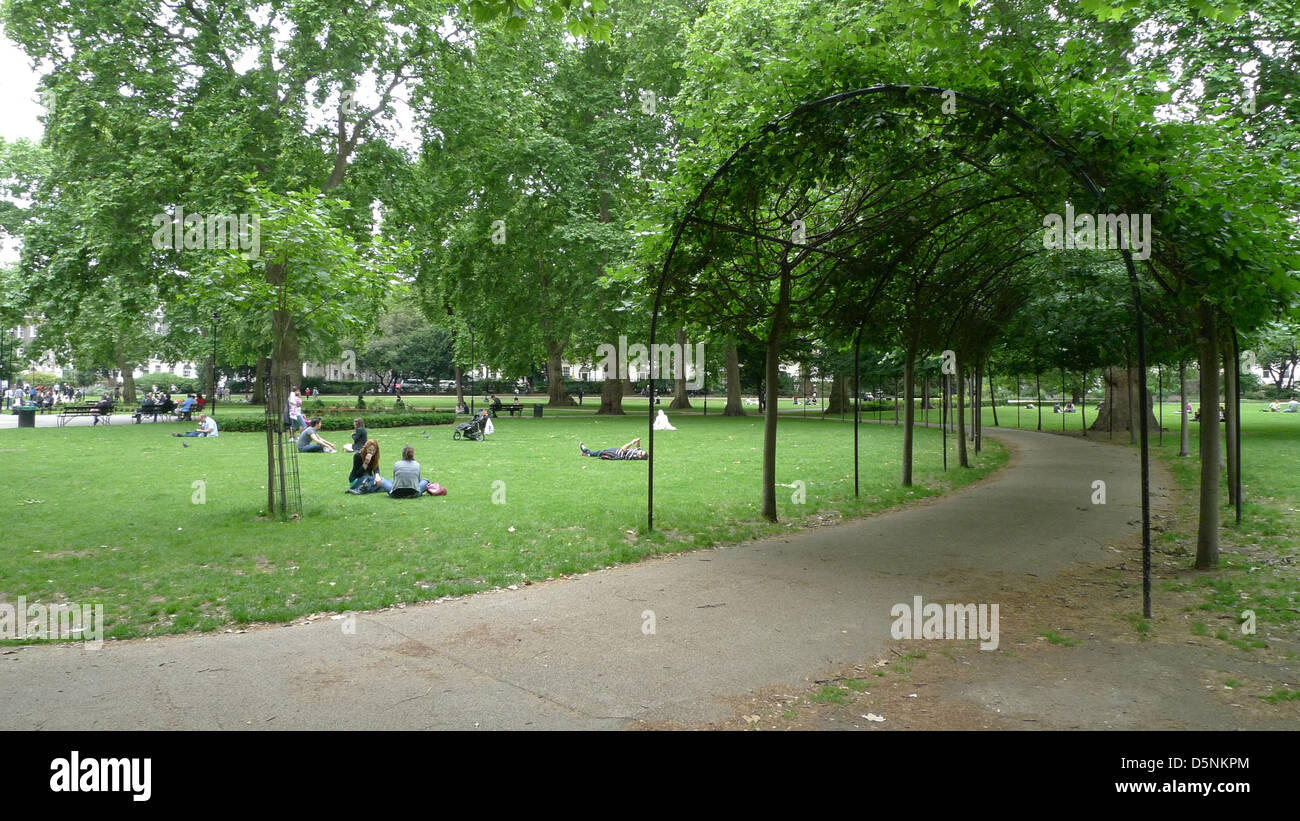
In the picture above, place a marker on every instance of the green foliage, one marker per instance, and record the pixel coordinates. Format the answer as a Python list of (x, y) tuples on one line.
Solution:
[(343, 421), (404, 344), (37, 378)]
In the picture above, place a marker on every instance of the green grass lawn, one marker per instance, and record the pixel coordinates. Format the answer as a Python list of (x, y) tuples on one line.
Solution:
[(1258, 568), (109, 515)]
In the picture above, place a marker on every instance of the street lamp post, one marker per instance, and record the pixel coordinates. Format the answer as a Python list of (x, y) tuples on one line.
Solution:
[(215, 315)]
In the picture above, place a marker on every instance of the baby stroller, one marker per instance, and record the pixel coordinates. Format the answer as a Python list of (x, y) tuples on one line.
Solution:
[(474, 429)]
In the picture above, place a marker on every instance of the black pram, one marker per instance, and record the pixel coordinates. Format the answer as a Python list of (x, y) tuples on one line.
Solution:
[(473, 429)]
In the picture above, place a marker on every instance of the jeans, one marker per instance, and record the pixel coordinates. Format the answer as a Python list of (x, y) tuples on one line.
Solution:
[(192, 433), (311, 447), (599, 453), (388, 486)]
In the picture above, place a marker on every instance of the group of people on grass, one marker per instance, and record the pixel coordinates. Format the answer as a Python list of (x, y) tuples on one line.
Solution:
[(366, 476)]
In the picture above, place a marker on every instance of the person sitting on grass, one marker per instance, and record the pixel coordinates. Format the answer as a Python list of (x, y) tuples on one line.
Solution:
[(1292, 407), (1272, 407), (632, 450), (207, 427), (365, 476), (359, 436), (407, 481), (310, 442)]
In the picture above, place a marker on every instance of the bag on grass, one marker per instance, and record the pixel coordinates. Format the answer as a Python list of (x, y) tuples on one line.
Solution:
[(436, 489)]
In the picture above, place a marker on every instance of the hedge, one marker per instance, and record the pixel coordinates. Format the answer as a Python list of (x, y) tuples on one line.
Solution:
[(257, 424), (334, 386)]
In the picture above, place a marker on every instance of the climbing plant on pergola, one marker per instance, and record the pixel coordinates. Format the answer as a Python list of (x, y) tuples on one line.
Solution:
[(807, 217)]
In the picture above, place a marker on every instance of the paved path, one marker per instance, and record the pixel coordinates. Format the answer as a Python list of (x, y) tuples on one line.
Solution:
[(572, 654), (50, 419)]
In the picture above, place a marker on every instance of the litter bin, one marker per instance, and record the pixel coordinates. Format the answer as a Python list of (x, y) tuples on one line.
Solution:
[(537, 411), (26, 417)]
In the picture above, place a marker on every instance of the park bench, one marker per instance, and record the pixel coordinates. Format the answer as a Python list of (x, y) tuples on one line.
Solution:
[(153, 411), (69, 411)]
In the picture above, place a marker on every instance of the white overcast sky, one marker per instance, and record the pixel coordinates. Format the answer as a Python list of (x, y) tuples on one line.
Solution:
[(18, 99)]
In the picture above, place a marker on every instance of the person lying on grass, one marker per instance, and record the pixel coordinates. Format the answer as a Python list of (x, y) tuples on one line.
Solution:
[(310, 442), (207, 427), (632, 450)]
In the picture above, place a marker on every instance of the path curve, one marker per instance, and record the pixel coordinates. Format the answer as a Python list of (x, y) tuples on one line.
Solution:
[(572, 654)]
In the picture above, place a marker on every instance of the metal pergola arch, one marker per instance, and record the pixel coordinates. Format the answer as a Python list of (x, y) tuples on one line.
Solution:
[(1064, 156)]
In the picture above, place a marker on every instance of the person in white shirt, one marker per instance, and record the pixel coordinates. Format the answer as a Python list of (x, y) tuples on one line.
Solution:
[(207, 427)]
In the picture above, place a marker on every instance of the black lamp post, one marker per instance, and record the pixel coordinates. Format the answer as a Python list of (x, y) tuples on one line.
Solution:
[(215, 316), (472, 367)]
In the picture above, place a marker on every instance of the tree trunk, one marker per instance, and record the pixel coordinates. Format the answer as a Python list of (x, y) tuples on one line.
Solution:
[(555, 375), (993, 398), (1184, 427), (1133, 393), (963, 458), (772, 367), (680, 400), (259, 390), (925, 397), (838, 401), (735, 406), (1083, 405), (285, 358), (460, 388), (611, 398), (1115, 414), (1230, 419), (909, 410), (128, 374), (1207, 531)]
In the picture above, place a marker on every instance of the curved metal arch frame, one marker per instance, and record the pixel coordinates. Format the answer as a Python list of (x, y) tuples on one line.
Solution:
[(1066, 157)]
